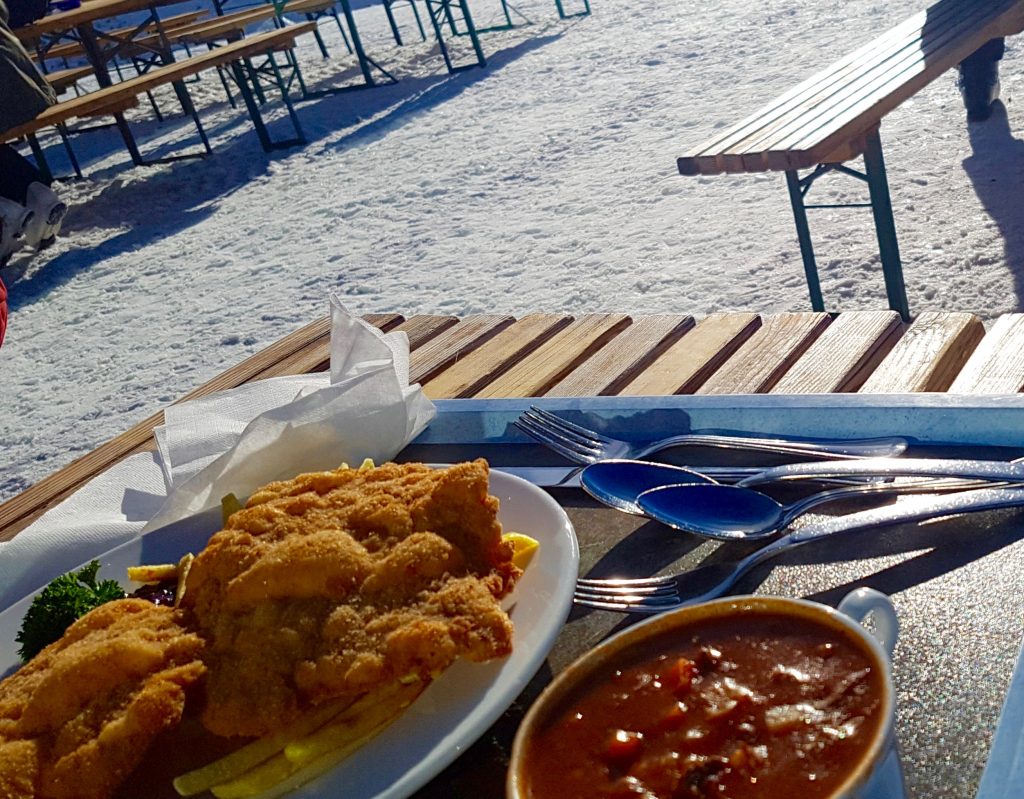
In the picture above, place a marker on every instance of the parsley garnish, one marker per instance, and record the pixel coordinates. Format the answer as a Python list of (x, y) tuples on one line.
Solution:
[(64, 600)]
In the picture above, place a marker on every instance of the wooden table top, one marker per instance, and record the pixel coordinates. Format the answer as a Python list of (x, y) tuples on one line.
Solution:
[(88, 12), (551, 354)]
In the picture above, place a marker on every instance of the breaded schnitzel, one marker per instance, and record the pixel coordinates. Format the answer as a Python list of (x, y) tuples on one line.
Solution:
[(78, 717), (333, 583)]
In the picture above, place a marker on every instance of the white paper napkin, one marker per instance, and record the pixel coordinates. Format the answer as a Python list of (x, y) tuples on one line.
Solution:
[(234, 442)]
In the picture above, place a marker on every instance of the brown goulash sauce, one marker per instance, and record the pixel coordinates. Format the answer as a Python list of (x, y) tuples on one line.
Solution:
[(756, 705)]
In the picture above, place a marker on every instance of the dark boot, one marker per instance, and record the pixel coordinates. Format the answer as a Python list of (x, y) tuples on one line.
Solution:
[(978, 80), (979, 86)]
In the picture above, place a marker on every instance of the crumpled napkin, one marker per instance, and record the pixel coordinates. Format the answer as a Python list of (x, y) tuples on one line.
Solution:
[(234, 442)]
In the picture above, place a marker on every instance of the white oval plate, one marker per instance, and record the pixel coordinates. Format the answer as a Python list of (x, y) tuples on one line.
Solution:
[(460, 705)]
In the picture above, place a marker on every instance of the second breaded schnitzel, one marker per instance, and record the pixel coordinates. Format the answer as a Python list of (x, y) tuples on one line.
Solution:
[(334, 583), (78, 717)]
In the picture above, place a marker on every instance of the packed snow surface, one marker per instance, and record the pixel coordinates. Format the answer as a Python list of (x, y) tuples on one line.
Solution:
[(546, 181)]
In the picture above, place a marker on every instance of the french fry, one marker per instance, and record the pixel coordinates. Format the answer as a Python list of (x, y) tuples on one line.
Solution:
[(259, 780), (183, 566), (153, 574), (308, 756), (238, 763), (352, 728)]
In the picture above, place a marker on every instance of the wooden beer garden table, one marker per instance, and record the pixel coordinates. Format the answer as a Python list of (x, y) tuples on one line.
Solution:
[(961, 606)]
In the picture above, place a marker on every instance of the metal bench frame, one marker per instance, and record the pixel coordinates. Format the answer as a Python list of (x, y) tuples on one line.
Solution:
[(881, 208)]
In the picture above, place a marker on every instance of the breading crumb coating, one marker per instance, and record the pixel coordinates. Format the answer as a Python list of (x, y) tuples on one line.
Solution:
[(331, 583), (78, 717)]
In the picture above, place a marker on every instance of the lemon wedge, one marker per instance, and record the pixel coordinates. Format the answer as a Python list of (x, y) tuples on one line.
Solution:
[(523, 546)]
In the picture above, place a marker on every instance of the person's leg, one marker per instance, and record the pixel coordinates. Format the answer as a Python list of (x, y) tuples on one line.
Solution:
[(16, 174), (979, 79)]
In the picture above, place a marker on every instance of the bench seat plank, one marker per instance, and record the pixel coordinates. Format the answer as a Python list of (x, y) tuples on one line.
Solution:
[(844, 355), (997, 365), (624, 357), (837, 83), (63, 79), (687, 364), (536, 373), (227, 26), (768, 354), (473, 371), (909, 30), (929, 355), (888, 74)]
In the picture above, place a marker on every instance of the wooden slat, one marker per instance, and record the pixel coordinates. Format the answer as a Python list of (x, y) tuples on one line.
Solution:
[(845, 354), (929, 355), (385, 321), (226, 26), (454, 343), (423, 327), (63, 79), (624, 357), (997, 365), (688, 363), (767, 355), (466, 376), (543, 368)]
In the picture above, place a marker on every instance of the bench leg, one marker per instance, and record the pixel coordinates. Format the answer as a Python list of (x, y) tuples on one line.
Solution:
[(419, 22), (239, 70), (318, 37), (40, 157), (803, 234), (441, 9), (561, 10), (279, 78), (62, 129), (885, 226), (129, 140), (344, 36), (392, 22), (365, 62)]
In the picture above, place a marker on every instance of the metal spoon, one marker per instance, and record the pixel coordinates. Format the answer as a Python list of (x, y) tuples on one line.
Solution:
[(618, 483), (730, 513)]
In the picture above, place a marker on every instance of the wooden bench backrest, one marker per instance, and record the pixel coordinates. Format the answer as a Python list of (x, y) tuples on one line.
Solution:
[(89, 103), (824, 118)]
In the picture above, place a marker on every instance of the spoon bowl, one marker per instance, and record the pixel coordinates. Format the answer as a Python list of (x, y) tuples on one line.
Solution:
[(618, 483), (736, 512), (722, 512)]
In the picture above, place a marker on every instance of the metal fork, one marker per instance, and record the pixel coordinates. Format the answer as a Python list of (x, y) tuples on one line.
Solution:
[(582, 445), (658, 594)]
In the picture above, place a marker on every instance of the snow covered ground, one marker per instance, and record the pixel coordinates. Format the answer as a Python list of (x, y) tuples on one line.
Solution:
[(545, 182)]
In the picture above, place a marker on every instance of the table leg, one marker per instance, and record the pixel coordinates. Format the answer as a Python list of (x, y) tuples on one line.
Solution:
[(357, 43)]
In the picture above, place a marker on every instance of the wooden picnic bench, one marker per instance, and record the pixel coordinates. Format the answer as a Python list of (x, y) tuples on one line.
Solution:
[(834, 117), (66, 50), (235, 54), (553, 354)]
